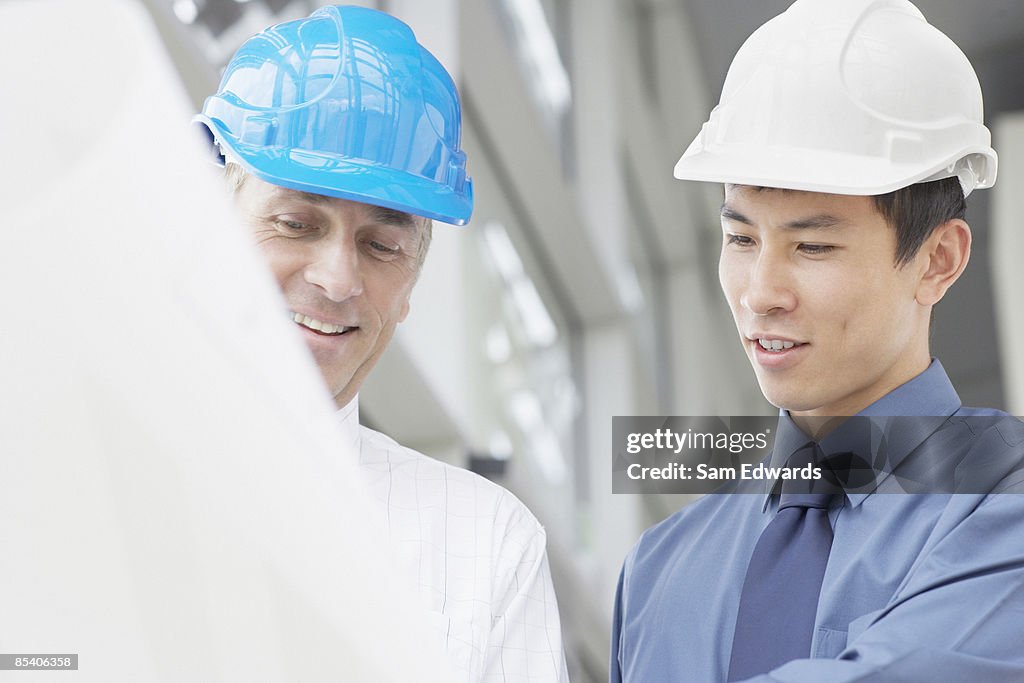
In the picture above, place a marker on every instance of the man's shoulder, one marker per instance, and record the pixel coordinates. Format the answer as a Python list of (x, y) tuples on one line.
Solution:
[(476, 553), (712, 519), (991, 422), (993, 445), (464, 492)]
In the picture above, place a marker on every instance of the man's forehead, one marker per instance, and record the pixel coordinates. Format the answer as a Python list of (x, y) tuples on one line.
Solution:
[(795, 208), (379, 214), (733, 189), (758, 195)]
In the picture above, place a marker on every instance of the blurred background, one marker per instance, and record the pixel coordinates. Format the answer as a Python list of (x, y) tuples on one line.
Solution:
[(586, 284)]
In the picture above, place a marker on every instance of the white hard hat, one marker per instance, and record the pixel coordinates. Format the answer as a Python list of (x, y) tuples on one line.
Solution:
[(857, 97)]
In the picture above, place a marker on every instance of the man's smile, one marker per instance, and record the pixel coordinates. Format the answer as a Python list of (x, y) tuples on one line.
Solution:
[(776, 345), (321, 327), (773, 351)]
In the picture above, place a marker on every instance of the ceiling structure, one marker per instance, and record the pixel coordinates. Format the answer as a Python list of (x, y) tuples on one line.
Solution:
[(977, 27)]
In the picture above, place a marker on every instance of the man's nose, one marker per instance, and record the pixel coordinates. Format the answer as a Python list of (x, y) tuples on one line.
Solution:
[(769, 287), (336, 270)]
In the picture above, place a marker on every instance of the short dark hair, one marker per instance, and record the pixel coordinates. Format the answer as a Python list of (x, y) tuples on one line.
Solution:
[(916, 210)]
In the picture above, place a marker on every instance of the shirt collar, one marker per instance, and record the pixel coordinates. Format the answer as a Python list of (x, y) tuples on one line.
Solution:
[(347, 419), (929, 394)]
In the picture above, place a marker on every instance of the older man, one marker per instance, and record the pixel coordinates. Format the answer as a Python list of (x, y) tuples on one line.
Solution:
[(341, 136)]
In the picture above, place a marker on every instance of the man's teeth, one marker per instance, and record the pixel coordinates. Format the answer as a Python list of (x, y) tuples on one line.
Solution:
[(775, 344), (318, 325)]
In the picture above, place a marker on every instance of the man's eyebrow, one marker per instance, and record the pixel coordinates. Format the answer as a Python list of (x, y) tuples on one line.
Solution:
[(820, 222), (311, 197), (400, 219), (283, 193), (379, 214), (732, 214)]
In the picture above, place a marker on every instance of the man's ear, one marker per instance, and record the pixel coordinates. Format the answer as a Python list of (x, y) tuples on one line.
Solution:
[(943, 257)]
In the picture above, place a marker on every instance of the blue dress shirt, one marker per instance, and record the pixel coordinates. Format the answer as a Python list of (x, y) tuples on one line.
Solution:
[(918, 587)]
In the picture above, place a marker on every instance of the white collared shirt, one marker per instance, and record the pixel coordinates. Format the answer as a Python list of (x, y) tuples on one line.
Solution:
[(477, 557)]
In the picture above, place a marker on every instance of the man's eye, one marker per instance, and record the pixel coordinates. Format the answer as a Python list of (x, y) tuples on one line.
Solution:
[(739, 240), (816, 249), (382, 249), (293, 227)]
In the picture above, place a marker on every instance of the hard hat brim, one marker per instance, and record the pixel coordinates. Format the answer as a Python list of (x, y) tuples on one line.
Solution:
[(352, 179), (816, 170)]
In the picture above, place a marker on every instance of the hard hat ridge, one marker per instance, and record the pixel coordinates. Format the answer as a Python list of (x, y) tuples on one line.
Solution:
[(849, 97), (346, 103)]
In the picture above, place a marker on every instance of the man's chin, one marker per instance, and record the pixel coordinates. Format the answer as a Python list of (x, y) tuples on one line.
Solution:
[(342, 390), (344, 384), (787, 397)]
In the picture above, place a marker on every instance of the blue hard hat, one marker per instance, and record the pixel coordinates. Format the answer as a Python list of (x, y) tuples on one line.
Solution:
[(346, 103)]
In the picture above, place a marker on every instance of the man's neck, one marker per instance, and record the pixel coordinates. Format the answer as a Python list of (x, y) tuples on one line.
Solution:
[(820, 422)]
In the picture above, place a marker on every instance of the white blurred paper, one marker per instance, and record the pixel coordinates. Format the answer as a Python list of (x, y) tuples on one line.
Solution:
[(174, 504)]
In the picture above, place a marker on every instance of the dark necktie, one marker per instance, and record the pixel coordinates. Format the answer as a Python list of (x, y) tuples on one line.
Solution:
[(779, 599)]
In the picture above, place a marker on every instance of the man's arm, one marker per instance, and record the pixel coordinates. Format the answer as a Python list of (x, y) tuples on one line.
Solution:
[(958, 618), (526, 635), (614, 669)]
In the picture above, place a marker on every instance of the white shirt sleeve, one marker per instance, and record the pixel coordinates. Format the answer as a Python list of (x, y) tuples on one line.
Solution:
[(525, 642)]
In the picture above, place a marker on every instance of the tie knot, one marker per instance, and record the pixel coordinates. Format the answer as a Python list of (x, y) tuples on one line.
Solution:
[(808, 454), (819, 501), (809, 493)]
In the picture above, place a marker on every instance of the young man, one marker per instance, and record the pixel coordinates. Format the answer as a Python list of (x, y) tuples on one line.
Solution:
[(847, 137), (342, 140)]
